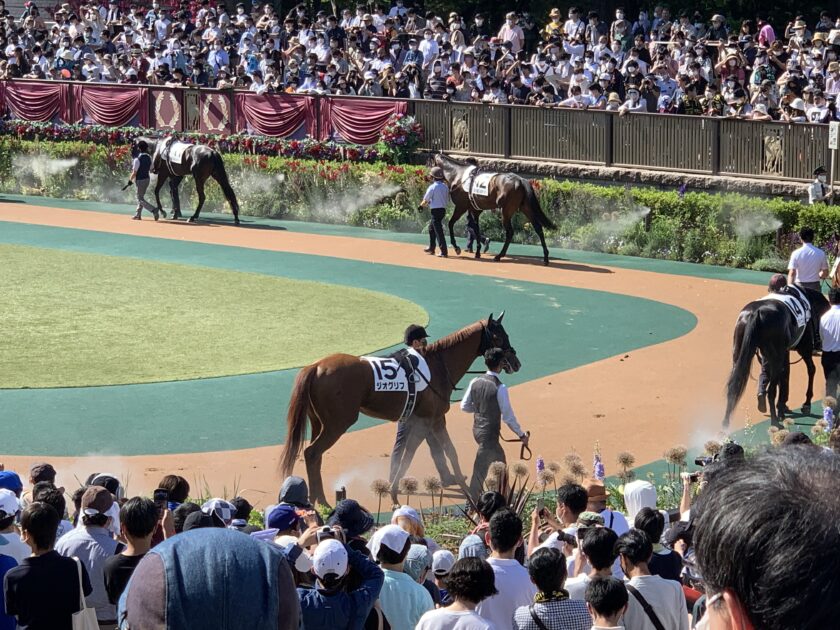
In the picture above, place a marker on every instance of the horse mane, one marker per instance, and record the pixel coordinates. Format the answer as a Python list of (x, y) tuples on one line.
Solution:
[(458, 162), (453, 339)]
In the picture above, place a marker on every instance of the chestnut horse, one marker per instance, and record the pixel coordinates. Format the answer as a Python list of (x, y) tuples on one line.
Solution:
[(507, 191), (332, 392)]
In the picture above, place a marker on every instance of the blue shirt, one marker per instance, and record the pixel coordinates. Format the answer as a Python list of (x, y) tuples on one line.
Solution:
[(403, 600), (93, 546), (437, 194)]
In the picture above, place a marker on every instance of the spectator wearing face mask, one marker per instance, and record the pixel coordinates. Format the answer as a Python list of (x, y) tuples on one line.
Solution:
[(512, 32)]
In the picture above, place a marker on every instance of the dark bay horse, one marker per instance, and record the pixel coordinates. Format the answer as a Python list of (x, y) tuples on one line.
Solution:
[(201, 162), (332, 392), (507, 192), (769, 328)]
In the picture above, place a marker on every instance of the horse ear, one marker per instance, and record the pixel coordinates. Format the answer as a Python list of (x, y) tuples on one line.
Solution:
[(501, 317), (490, 319)]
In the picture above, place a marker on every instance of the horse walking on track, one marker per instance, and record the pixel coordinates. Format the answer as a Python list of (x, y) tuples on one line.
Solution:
[(332, 392), (198, 160), (506, 191), (769, 328)]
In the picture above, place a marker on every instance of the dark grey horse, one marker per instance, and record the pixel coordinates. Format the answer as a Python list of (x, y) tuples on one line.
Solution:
[(198, 160)]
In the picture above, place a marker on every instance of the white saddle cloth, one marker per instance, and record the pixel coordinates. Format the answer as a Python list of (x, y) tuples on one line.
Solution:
[(177, 150), (799, 307), (389, 375), (479, 186)]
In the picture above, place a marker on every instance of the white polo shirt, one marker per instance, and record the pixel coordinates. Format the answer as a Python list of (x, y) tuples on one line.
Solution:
[(830, 329), (808, 261)]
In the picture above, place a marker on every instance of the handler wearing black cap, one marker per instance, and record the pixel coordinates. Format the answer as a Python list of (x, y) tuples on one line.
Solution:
[(416, 340), (436, 198), (818, 192)]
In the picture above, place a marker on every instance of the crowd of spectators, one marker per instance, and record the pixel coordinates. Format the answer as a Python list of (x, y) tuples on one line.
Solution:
[(757, 549), (650, 62)]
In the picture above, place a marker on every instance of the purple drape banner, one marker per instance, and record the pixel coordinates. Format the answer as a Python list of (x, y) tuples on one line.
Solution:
[(112, 106), (277, 115), (359, 120), (40, 102)]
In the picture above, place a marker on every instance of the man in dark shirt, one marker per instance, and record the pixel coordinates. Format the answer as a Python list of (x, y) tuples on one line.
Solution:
[(138, 519), (664, 562), (43, 592)]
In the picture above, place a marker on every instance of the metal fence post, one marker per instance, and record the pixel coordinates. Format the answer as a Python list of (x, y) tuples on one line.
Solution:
[(507, 131), (608, 139), (715, 148)]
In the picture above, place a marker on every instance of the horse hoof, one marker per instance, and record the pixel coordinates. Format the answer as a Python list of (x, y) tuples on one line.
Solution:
[(236, 221), (457, 251), (806, 409), (192, 220), (762, 403), (497, 258), (477, 255), (162, 212), (545, 262)]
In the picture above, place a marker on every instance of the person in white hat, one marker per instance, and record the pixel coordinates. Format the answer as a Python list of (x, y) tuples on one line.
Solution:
[(10, 542), (331, 603), (402, 599)]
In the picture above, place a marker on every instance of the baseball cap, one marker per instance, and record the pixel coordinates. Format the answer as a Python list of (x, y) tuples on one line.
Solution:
[(391, 536), (472, 547), (42, 472), (281, 517), (442, 562), (330, 557), (199, 520), (10, 480), (96, 500), (221, 509), (9, 503)]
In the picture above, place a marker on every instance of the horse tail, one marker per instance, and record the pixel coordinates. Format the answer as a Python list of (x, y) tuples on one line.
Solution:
[(536, 208), (220, 175), (297, 418), (744, 353)]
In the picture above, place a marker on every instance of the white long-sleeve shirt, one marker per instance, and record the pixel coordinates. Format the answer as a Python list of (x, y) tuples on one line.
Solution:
[(830, 330), (502, 397)]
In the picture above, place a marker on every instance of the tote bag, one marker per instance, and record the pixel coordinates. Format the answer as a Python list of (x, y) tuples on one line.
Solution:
[(85, 619)]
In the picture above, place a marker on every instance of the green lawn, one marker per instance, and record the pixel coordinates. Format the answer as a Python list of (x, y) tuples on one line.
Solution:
[(70, 319)]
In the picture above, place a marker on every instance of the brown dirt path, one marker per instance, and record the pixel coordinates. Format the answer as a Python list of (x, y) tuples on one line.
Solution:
[(659, 396)]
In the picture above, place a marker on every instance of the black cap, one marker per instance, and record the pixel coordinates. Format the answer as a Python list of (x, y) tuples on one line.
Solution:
[(414, 332), (200, 520), (820, 170)]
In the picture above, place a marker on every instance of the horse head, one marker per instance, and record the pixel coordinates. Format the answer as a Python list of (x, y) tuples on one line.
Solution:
[(496, 337)]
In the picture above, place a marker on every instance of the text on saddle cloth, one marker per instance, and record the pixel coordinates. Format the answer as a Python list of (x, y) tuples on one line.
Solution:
[(389, 373), (796, 303), (478, 184)]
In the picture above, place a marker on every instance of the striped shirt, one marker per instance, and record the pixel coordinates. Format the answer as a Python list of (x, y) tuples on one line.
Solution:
[(555, 614)]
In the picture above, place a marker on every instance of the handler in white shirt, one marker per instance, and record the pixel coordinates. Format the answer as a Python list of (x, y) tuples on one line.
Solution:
[(808, 264), (487, 398), (830, 333)]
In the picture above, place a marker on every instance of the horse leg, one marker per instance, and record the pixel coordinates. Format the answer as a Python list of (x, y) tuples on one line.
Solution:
[(508, 237), (174, 185), (784, 386), (457, 214), (772, 391), (539, 230), (161, 180), (416, 431), (199, 189), (323, 438), (808, 358)]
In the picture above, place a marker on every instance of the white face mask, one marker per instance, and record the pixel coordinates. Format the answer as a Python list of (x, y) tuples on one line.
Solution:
[(821, 178)]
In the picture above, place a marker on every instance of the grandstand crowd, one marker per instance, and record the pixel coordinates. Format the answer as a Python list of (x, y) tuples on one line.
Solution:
[(685, 63), (754, 545)]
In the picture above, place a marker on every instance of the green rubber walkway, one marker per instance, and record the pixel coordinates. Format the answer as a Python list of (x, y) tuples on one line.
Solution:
[(553, 329)]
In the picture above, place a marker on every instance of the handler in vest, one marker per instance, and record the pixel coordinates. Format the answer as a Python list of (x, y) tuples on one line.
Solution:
[(436, 198), (140, 176), (416, 340), (487, 398)]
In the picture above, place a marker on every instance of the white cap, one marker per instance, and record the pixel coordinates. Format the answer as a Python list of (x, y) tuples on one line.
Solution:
[(9, 502), (330, 557), (408, 512), (442, 562), (391, 536)]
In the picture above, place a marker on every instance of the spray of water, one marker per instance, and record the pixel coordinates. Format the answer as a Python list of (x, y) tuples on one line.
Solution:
[(337, 208), (748, 225), (617, 223), (41, 167)]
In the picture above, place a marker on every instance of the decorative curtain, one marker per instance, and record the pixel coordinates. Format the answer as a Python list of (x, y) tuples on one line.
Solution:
[(359, 120), (112, 106), (38, 101), (277, 115)]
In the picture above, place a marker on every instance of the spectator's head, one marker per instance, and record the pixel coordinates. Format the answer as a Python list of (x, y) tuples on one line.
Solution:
[(243, 511), (138, 519), (39, 526), (408, 519), (637, 495), (651, 522), (547, 568), (471, 580), (180, 514), (418, 562), (505, 532), (9, 508), (571, 502), (178, 488), (49, 494), (295, 491), (472, 547), (597, 495), (9, 480), (330, 563), (606, 599), (284, 518), (352, 517), (389, 546), (634, 549), (797, 438), (489, 503), (598, 545), (95, 504), (806, 234), (731, 450), (107, 480), (766, 534), (41, 472), (220, 509), (442, 563)]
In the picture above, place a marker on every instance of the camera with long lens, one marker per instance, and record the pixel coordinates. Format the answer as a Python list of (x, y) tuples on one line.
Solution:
[(705, 460)]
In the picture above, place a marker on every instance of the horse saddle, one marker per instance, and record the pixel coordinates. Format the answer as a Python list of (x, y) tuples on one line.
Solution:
[(403, 371), (173, 151), (475, 183), (798, 305)]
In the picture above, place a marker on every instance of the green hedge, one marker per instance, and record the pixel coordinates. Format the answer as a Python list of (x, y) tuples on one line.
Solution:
[(722, 229)]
